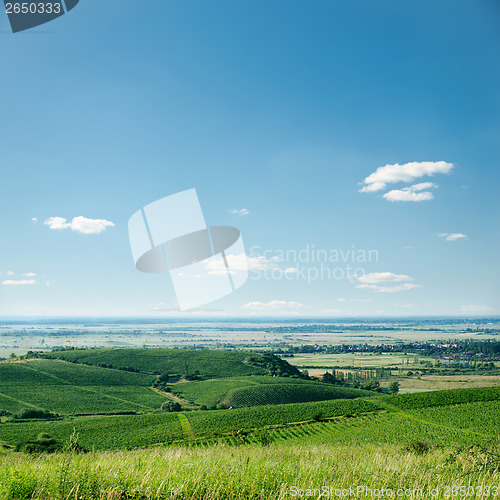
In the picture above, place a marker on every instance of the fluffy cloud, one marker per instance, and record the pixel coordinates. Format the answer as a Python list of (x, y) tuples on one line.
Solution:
[(390, 289), (273, 305), (411, 193), (241, 211), (375, 278), (34, 219), (475, 309), (452, 236), (18, 282), (79, 224), (378, 282), (407, 172)]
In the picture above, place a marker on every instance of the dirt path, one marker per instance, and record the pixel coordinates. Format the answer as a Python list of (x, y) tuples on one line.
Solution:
[(173, 397)]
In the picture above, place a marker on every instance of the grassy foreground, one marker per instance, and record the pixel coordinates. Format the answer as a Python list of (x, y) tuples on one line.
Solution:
[(253, 472)]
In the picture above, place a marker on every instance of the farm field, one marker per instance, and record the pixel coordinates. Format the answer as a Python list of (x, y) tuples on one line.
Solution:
[(248, 391), (69, 388), (358, 360), (452, 417), (213, 364)]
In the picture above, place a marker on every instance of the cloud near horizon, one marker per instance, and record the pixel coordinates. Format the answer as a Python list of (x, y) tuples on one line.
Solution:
[(273, 305), (79, 224), (378, 282)]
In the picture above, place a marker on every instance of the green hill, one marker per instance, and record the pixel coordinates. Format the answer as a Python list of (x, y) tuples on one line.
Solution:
[(69, 389), (179, 362), (273, 394), (258, 390)]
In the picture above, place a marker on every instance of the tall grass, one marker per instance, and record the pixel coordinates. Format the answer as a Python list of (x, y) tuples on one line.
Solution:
[(225, 472)]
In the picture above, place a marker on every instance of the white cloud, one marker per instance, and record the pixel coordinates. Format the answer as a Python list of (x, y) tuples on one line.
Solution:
[(10, 273), (34, 219), (378, 282), (389, 289), (30, 275), (241, 211), (452, 236), (273, 305), (411, 193), (341, 299), (421, 186), (472, 309), (18, 282), (79, 224), (390, 174), (375, 278), (401, 195)]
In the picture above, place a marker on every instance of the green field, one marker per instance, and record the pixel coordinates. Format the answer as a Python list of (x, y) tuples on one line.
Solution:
[(69, 388), (377, 419), (244, 472), (212, 364), (344, 437), (257, 390)]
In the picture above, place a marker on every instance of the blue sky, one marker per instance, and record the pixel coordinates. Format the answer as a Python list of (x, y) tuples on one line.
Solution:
[(279, 107)]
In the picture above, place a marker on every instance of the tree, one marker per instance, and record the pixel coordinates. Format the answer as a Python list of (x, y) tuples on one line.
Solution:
[(394, 387), (329, 378), (171, 406)]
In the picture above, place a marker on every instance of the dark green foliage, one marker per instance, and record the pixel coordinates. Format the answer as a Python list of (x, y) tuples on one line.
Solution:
[(330, 378), (419, 447), (171, 406), (43, 444), (30, 413), (274, 365), (394, 387)]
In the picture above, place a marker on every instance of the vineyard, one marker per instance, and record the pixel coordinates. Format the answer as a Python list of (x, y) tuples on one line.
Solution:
[(210, 364), (227, 391), (288, 393), (443, 398), (70, 389)]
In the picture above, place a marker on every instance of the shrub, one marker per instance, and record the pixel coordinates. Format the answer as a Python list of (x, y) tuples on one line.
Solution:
[(29, 413), (418, 447), (43, 444), (171, 406)]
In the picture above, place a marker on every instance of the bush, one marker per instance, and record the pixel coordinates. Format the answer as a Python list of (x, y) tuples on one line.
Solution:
[(418, 447), (43, 444), (171, 406), (29, 413)]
